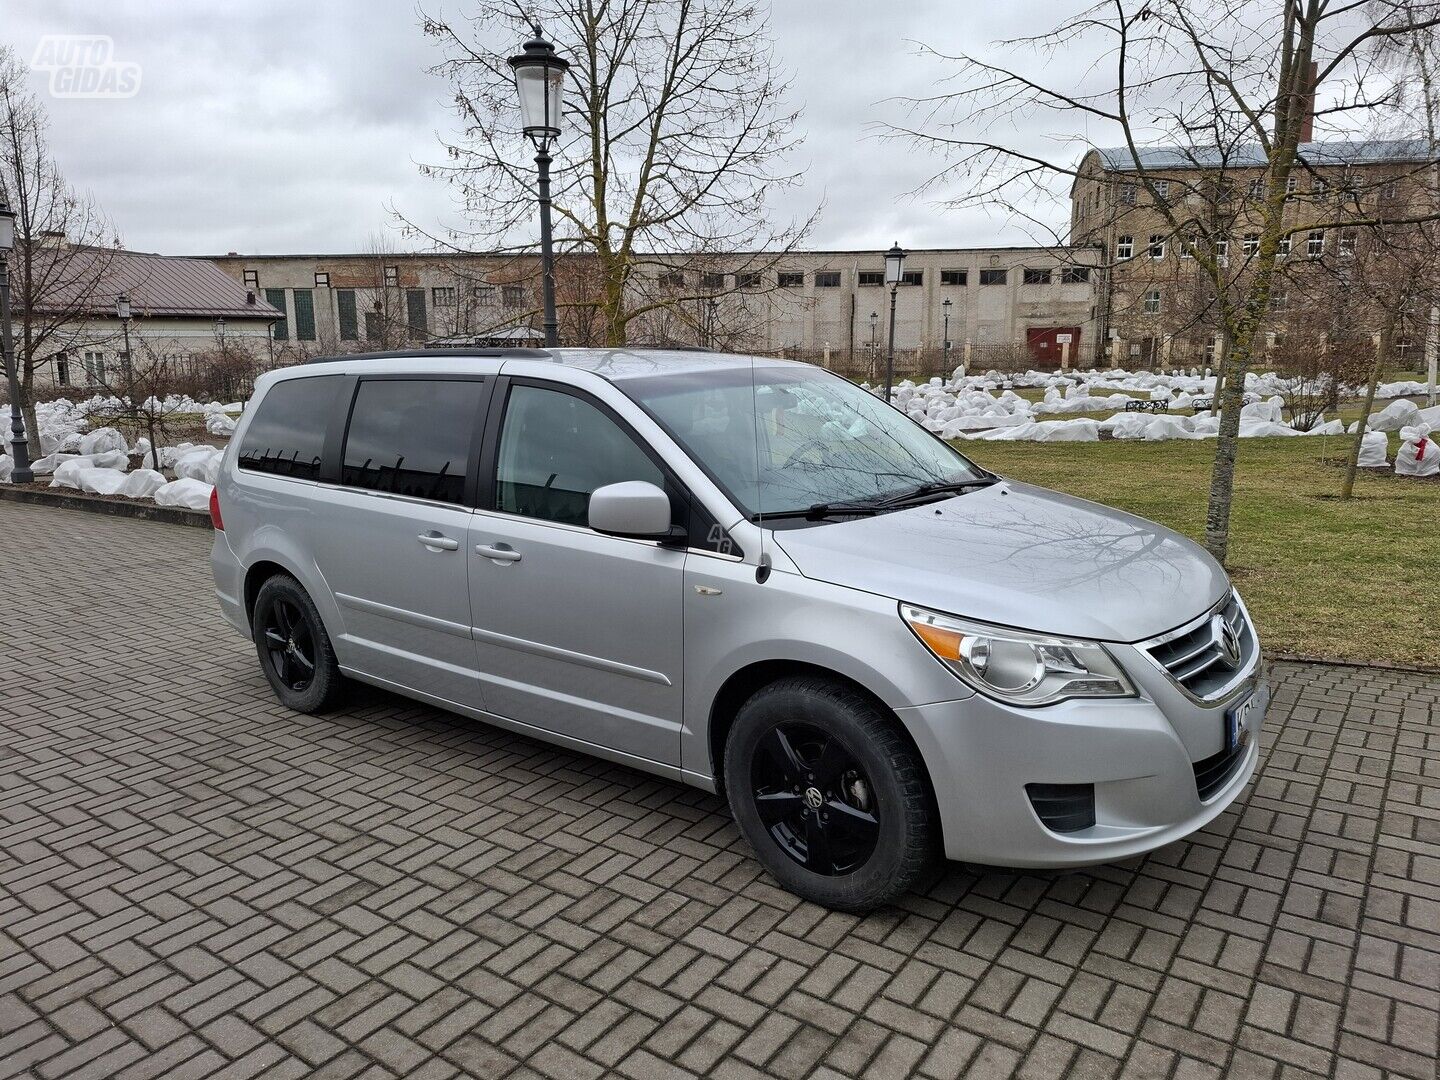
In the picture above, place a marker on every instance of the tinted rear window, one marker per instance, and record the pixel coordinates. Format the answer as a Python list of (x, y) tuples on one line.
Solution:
[(413, 436), (288, 432)]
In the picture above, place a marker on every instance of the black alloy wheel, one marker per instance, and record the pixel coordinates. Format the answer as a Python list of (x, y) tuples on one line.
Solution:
[(289, 644), (815, 799)]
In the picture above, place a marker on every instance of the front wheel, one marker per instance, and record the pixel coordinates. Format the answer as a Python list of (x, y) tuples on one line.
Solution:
[(829, 794), (294, 650)]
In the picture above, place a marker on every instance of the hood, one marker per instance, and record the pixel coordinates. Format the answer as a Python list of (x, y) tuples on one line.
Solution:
[(1022, 557)]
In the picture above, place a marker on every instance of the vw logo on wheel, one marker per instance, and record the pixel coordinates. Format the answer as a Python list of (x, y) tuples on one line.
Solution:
[(813, 798), (1227, 640)]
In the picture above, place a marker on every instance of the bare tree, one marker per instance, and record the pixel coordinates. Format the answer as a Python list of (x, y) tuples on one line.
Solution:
[(677, 135), (140, 389), (1230, 86), (63, 242)]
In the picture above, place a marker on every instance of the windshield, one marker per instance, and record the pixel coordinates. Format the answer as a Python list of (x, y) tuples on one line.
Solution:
[(795, 437)]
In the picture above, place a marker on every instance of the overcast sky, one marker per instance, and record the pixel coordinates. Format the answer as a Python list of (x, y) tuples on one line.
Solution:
[(278, 127)]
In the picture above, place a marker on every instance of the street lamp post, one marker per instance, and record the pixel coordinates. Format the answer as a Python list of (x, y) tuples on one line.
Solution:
[(894, 271), (19, 451), (874, 341), (712, 306), (540, 82), (946, 306), (122, 312)]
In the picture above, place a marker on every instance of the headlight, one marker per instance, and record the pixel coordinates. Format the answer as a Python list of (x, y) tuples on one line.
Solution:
[(1016, 667)]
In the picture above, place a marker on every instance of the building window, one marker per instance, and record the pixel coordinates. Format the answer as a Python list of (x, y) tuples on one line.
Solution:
[(322, 279), (62, 369), (1347, 241), (345, 311), (1256, 190), (672, 279), (1152, 302), (913, 277), (827, 279), (712, 281), (790, 279), (1292, 185), (1035, 277), (415, 325), (1127, 194), (1250, 245), (1074, 275), (392, 277), (1279, 300), (94, 368), (1315, 243), (750, 279), (1222, 250), (1124, 247), (276, 299), (1187, 247), (304, 315), (443, 296), (871, 277), (483, 295), (252, 278), (953, 277), (1319, 188), (1388, 189), (1157, 246), (992, 277), (512, 296), (1283, 248), (1162, 190)]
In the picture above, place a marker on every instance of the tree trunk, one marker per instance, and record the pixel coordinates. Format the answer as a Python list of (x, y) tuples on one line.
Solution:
[(1381, 352), (32, 424), (1230, 396)]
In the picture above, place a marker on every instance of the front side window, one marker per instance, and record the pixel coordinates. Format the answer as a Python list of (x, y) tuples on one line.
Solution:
[(555, 450), (781, 439), (288, 432), (412, 437)]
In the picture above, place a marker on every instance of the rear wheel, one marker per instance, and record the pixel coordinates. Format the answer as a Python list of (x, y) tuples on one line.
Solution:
[(829, 794), (294, 650)]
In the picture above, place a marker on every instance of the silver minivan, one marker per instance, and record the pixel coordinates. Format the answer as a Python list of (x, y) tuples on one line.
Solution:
[(748, 575)]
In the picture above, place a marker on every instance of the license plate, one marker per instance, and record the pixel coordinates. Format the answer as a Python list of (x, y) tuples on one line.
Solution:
[(1237, 722)]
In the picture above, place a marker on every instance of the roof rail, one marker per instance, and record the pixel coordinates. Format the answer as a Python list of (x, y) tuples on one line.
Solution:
[(423, 354)]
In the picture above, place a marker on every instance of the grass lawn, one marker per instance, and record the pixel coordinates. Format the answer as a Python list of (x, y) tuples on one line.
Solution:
[(1355, 580)]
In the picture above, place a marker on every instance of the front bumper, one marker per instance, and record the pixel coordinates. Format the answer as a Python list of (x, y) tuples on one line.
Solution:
[(1140, 754)]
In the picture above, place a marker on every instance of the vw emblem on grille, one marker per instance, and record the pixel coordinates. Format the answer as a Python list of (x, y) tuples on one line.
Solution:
[(1226, 640), (813, 798)]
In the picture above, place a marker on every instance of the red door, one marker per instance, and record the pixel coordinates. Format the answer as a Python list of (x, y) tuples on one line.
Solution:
[(1046, 344)]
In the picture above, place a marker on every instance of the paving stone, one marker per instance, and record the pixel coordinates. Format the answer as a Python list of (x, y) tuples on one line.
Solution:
[(195, 882)]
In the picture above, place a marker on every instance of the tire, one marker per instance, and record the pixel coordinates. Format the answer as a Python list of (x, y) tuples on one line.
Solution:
[(294, 651), (815, 838)]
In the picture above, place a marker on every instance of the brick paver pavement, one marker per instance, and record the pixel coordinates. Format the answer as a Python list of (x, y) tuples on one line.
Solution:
[(195, 882)]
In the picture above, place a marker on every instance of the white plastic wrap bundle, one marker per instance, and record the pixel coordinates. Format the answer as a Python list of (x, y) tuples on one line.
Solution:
[(1418, 455)]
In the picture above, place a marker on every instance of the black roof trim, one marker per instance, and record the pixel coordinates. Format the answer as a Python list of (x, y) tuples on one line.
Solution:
[(425, 354)]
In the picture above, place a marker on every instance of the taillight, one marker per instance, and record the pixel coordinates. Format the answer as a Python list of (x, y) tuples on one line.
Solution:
[(215, 510)]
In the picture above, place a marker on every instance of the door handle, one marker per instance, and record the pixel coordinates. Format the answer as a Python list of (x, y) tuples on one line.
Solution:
[(498, 552), (437, 542)]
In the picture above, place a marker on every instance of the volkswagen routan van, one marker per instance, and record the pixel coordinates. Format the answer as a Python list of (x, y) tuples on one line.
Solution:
[(751, 576)]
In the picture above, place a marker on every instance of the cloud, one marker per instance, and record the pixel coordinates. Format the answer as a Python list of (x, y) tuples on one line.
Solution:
[(275, 128)]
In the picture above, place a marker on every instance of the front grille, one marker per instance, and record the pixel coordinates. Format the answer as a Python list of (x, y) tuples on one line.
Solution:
[(1215, 771), (1063, 808), (1197, 659)]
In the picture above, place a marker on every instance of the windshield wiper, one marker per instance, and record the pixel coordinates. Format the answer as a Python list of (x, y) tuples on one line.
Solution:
[(946, 487), (821, 511)]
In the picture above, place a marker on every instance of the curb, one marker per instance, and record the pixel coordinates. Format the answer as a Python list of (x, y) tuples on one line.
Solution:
[(171, 515), (1376, 665)]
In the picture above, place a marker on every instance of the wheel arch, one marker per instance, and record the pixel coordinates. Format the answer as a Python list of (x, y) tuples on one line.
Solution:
[(750, 679)]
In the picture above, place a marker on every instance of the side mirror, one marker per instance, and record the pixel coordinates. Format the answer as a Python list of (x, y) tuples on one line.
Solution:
[(636, 509)]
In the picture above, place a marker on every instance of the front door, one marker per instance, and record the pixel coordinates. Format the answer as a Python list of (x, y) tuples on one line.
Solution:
[(576, 633), (392, 546)]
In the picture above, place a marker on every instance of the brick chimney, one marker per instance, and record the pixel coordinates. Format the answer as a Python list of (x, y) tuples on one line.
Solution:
[(1307, 102)]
